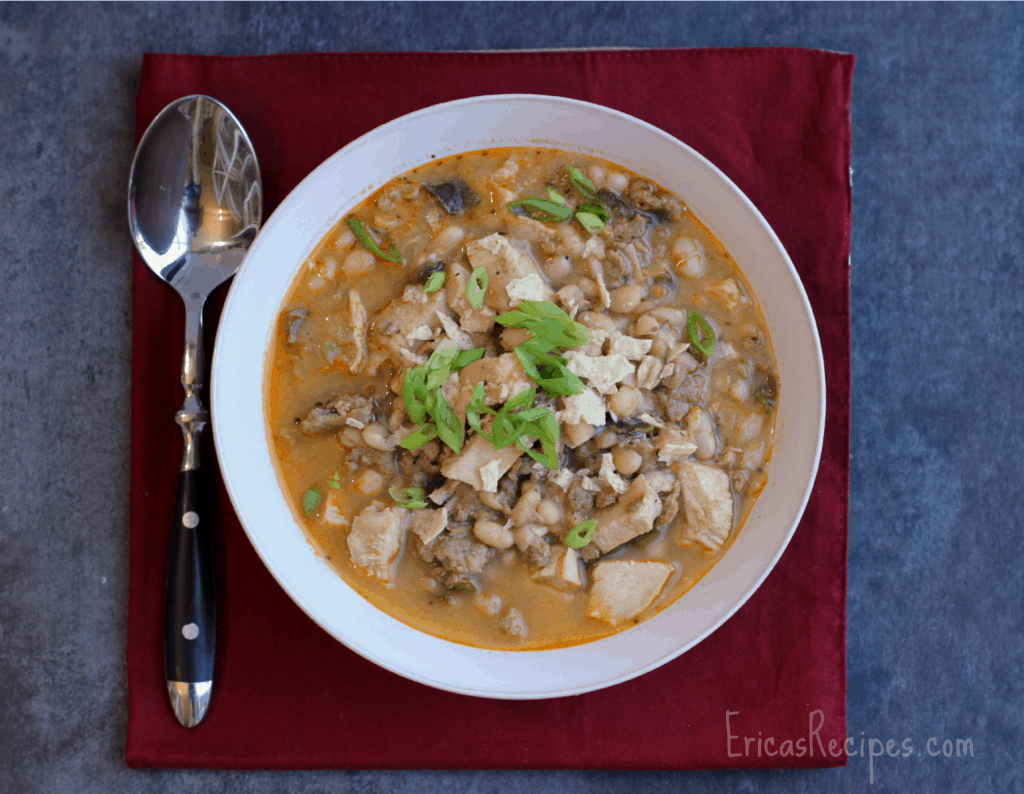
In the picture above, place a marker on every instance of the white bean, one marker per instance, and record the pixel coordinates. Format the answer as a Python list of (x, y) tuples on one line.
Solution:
[(624, 299), (448, 237), (627, 461), (369, 482), (616, 182), (595, 320), (669, 315), (345, 239), (689, 256), (526, 507), (625, 402), (358, 262), (645, 326), (606, 439), (558, 267), (493, 534), (702, 432), (597, 175), (739, 391), (589, 287), (377, 436)]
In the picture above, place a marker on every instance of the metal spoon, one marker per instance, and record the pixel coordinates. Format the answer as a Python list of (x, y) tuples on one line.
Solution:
[(195, 202)]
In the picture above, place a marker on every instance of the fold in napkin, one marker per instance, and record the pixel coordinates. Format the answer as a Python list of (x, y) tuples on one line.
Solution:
[(287, 695)]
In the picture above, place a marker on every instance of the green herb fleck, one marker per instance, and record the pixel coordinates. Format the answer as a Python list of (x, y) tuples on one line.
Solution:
[(464, 587), (581, 534), (414, 393), (334, 481), (477, 287), (376, 241), (310, 499), (546, 211), (467, 357), (702, 336), (412, 498), (418, 437), (434, 282)]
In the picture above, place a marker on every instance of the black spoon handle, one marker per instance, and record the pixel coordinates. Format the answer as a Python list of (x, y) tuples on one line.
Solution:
[(190, 630)]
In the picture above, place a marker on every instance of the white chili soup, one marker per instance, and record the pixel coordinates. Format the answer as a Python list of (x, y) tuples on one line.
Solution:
[(521, 398)]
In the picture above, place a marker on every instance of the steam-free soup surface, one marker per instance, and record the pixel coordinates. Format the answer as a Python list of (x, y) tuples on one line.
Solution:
[(521, 398)]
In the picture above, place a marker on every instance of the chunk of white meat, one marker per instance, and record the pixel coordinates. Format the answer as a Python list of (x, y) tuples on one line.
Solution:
[(632, 515), (480, 464), (596, 269), (345, 410), (527, 288), (649, 373), (601, 372), (630, 347), (428, 523), (357, 314), (376, 538), (707, 509), (587, 406), (572, 299), (444, 493), (401, 321), (609, 475), (504, 263), (514, 624), (728, 292), (563, 571), (622, 589), (334, 507), (471, 319)]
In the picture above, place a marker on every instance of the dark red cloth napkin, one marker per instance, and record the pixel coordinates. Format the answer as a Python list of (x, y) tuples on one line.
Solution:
[(287, 695)]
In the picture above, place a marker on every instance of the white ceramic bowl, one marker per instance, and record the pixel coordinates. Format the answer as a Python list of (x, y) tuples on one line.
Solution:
[(250, 319)]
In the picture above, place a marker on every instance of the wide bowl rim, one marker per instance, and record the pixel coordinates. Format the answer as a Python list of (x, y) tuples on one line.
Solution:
[(235, 304)]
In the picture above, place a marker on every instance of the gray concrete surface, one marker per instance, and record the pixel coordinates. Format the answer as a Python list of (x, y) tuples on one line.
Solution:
[(935, 587)]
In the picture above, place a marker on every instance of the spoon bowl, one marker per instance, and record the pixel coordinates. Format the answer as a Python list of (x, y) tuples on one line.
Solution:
[(195, 202)]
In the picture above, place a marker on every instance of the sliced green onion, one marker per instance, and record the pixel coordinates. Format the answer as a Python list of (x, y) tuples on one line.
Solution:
[(477, 406), (593, 214), (310, 499), (449, 429), (376, 241), (581, 534), (590, 222), (414, 393), (583, 185), (555, 196), (547, 371), (418, 437), (541, 210), (477, 287), (702, 336), (464, 587), (434, 282), (547, 322), (412, 498), (467, 357), (334, 481), (439, 366)]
